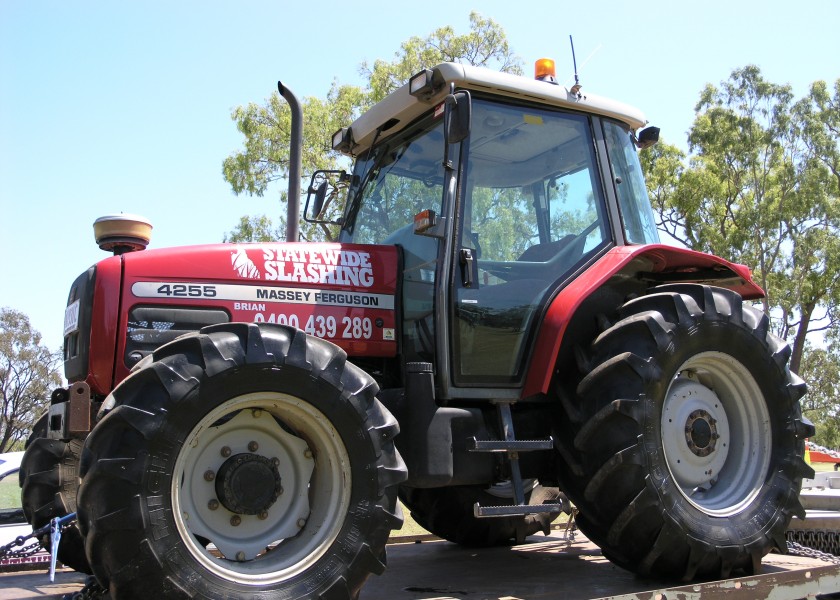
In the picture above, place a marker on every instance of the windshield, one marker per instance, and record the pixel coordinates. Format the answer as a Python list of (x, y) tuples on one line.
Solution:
[(395, 181), (392, 183)]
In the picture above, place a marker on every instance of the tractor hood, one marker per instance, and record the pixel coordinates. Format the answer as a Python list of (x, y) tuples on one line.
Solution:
[(344, 293)]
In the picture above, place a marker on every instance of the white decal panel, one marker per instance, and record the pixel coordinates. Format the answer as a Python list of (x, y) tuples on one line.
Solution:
[(71, 318), (261, 294)]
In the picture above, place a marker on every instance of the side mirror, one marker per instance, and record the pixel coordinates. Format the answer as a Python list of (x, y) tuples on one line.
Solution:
[(647, 137), (324, 188), (320, 196), (457, 117)]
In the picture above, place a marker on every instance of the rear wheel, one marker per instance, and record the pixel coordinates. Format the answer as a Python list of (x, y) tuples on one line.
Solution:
[(243, 461), (687, 457), (447, 512), (49, 479)]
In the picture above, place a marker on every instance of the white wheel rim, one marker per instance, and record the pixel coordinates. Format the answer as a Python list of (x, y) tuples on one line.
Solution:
[(298, 528), (716, 434)]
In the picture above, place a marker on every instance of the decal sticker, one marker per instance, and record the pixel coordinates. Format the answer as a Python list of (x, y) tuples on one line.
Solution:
[(260, 294), (243, 265), (71, 318), (333, 266)]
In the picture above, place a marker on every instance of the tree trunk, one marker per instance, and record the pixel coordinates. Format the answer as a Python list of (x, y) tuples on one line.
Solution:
[(801, 335)]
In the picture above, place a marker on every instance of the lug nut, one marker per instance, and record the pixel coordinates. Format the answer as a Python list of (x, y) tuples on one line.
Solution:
[(263, 515), (209, 475), (235, 520), (213, 504), (253, 446), (256, 413), (301, 523), (275, 461), (240, 556), (225, 451), (307, 453)]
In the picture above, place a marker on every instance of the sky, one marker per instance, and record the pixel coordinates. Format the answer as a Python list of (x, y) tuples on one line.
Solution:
[(118, 106)]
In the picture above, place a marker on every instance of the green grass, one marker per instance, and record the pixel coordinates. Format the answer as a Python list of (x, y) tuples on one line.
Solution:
[(822, 467), (9, 492), (410, 526)]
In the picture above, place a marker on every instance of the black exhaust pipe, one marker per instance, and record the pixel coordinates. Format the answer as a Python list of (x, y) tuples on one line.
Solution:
[(293, 207)]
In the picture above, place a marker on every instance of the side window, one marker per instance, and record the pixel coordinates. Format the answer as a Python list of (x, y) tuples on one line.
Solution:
[(634, 203)]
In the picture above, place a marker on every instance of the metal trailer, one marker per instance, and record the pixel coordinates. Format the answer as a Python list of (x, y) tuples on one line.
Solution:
[(548, 568)]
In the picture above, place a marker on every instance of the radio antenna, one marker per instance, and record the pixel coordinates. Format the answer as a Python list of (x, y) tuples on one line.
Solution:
[(576, 87)]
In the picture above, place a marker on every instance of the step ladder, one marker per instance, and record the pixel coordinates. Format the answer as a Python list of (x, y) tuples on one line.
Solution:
[(511, 447)]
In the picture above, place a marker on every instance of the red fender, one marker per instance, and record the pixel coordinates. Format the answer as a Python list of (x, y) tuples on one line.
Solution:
[(651, 258)]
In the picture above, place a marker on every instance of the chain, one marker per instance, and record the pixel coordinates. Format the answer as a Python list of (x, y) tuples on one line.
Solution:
[(8, 551), (821, 545)]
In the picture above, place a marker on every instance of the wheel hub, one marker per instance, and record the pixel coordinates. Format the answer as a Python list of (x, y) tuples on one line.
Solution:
[(716, 433), (701, 433), (248, 484)]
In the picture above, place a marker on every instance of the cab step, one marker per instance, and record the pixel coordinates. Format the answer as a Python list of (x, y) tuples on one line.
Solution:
[(515, 510), (475, 445), (511, 447)]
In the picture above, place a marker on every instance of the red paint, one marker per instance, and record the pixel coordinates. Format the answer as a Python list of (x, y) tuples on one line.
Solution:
[(663, 258), (342, 292)]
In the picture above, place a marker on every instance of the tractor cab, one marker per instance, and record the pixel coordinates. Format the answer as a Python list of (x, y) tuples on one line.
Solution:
[(497, 201)]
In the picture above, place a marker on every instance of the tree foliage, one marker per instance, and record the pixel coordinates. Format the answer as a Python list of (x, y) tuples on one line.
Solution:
[(760, 188), (821, 369), (264, 158), (485, 45), (255, 228), (27, 377)]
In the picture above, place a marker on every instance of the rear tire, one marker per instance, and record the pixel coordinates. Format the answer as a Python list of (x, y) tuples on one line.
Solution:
[(688, 457), (447, 512), (49, 480), (260, 440)]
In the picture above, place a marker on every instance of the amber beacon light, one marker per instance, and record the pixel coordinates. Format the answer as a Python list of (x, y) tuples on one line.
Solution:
[(544, 70)]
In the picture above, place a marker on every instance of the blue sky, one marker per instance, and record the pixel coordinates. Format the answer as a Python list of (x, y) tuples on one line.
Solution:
[(125, 106)]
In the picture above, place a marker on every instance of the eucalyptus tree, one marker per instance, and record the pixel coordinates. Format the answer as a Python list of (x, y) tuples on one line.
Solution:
[(266, 128)]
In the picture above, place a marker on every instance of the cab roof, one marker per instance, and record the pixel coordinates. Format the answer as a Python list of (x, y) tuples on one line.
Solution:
[(400, 108)]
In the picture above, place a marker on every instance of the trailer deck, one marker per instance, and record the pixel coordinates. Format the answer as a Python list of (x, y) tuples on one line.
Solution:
[(547, 568)]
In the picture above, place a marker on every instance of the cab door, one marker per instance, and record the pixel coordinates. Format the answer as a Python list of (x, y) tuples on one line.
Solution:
[(532, 211)]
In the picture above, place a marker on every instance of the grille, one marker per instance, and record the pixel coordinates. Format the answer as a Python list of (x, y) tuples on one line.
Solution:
[(150, 327)]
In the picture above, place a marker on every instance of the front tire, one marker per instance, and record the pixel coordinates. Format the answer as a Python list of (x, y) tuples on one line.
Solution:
[(688, 457), (243, 461)]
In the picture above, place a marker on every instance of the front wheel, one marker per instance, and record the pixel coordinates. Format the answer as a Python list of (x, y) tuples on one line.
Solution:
[(243, 461), (687, 461)]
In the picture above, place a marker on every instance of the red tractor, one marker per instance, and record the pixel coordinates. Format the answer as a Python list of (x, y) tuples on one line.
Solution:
[(497, 331)]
